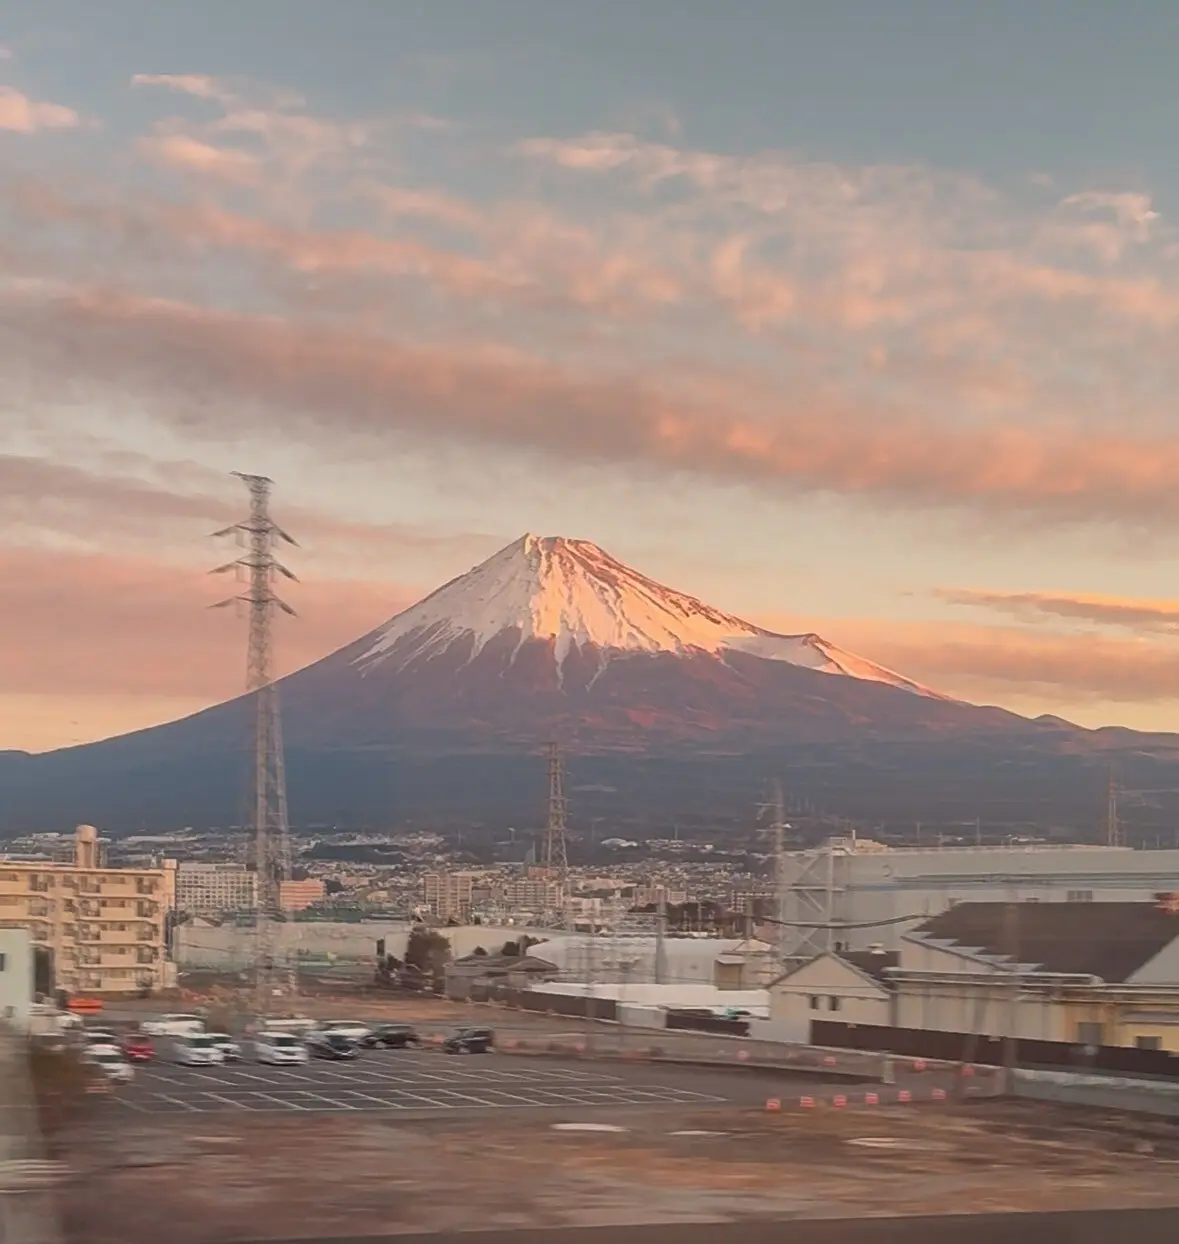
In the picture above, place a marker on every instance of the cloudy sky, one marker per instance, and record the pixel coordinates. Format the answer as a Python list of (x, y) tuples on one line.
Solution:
[(854, 317)]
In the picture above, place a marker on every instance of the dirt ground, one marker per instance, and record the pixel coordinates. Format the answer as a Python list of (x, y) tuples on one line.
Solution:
[(231, 1177)]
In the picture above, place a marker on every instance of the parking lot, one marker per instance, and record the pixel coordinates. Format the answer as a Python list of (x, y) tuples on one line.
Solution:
[(396, 1081)]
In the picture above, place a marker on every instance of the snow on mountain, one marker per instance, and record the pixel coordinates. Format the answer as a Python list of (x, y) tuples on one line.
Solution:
[(573, 594)]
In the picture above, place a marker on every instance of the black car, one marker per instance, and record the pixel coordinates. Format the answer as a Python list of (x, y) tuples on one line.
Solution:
[(391, 1037), (469, 1041), (331, 1045)]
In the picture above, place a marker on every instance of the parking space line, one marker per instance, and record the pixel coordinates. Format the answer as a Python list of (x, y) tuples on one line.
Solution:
[(176, 1101)]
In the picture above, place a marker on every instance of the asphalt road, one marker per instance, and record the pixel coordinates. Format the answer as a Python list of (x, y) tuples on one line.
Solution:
[(431, 1082), (1143, 1226)]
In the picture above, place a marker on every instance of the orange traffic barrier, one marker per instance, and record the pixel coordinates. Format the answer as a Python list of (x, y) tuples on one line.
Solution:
[(807, 1103), (939, 1094), (839, 1100), (968, 1070), (829, 1060), (904, 1095), (742, 1056), (871, 1099), (919, 1064), (773, 1103)]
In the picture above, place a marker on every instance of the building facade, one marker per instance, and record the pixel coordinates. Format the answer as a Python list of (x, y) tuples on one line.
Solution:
[(214, 889), (297, 895), (448, 895), (104, 928), (859, 881)]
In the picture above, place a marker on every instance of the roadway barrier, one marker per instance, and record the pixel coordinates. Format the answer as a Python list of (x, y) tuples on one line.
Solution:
[(699, 1048)]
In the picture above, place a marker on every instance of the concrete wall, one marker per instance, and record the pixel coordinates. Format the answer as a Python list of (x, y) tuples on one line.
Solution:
[(16, 978), (668, 997), (227, 948), (625, 958), (984, 1008)]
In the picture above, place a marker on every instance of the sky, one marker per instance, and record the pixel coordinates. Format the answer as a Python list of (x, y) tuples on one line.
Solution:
[(857, 318)]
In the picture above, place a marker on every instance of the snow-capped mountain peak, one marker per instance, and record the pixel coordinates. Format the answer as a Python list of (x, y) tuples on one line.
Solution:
[(572, 594)]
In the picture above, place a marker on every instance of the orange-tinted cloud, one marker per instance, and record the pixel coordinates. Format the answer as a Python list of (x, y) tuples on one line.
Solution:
[(1008, 665), (86, 625), (211, 374), (1136, 615), (138, 502)]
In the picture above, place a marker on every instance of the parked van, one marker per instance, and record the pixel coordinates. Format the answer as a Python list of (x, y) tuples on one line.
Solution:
[(279, 1047), (197, 1049), (173, 1025)]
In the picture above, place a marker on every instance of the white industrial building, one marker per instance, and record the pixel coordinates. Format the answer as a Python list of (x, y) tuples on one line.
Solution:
[(213, 889), (226, 947), (16, 976), (641, 958), (858, 881)]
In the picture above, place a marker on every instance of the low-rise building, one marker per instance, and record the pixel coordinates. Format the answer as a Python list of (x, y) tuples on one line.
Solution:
[(105, 929)]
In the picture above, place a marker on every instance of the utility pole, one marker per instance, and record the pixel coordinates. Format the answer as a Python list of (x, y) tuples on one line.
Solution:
[(780, 871), (259, 568), (1113, 828), (660, 934), (1011, 1039)]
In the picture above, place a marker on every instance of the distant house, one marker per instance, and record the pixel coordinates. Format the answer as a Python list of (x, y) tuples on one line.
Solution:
[(518, 971), (850, 986)]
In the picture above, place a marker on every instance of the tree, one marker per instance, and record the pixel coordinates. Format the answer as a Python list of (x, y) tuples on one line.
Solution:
[(478, 951), (426, 951)]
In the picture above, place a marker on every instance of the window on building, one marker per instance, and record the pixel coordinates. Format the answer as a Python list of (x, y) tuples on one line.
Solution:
[(814, 1000), (833, 1003), (1080, 896), (1148, 1043)]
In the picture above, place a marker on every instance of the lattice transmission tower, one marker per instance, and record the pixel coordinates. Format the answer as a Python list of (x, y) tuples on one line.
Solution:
[(270, 851), (555, 853)]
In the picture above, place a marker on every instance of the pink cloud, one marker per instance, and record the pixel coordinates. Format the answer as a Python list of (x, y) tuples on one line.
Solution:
[(21, 115), (176, 151)]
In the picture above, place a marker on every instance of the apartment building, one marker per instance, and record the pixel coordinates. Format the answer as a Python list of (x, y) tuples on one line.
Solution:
[(448, 895), (105, 928), (536, 894), (297, 895), (214, 889)]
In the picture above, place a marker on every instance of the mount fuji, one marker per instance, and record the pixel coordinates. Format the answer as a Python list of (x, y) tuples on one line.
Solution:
[(664, 705)]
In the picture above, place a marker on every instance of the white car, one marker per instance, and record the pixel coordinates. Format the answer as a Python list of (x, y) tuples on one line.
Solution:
[(227, 1045), (197, 1049), (277, 1048), (100, 1037), (353, 1029), (173, 1026), (110, 1061)]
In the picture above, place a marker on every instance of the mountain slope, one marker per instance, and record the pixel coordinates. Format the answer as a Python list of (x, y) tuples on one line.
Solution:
[(666, 706), (577, 597)]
